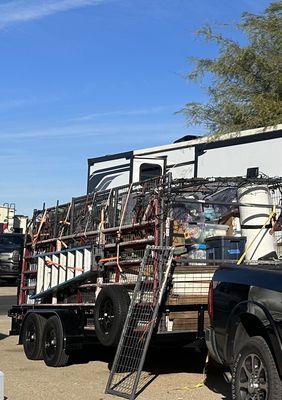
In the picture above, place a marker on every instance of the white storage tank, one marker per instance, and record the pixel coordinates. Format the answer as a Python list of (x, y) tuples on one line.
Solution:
[(260, 242)]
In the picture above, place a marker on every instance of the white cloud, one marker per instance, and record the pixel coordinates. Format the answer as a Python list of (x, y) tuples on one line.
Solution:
[(112, 131), (25, 10), (122, 113)]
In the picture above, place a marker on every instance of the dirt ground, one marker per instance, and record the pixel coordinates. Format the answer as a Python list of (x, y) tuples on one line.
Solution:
[(173, 374)]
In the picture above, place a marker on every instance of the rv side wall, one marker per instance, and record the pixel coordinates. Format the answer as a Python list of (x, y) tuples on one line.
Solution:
[(234, 160), (180, 162), (109, 173)]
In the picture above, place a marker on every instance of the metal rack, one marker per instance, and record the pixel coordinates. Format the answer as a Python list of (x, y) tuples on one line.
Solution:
[(117, 225)]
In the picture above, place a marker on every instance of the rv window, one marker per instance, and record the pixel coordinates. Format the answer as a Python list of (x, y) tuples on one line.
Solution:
[(149, 171)]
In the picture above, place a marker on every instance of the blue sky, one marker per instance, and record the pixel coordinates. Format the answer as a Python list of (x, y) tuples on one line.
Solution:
[(84, 78)]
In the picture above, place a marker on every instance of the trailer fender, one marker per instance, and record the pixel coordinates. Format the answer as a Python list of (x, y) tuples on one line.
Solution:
[(72, 324)]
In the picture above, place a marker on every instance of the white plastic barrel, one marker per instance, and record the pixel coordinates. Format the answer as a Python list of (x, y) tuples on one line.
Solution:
[(252, 218), (1, 386)]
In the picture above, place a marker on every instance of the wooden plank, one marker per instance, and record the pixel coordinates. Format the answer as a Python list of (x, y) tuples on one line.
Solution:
[(186, 300), (189, 323), (183, 314), (187, 269)]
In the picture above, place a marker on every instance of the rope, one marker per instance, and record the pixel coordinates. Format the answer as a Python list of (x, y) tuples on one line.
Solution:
[(200, 384), (65, 222), (50, 263), (120, 225), (90, 209), (103, 260), (101, 236), (36, 236)]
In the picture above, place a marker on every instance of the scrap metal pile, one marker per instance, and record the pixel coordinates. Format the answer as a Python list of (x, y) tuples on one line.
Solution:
[(105, 233)]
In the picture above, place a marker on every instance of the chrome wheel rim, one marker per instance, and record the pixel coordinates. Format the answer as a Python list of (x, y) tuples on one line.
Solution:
[(51, 343), (253, 379), (30, 337), (106, 316)]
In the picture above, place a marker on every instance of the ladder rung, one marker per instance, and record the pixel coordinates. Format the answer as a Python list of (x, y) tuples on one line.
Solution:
[(130, 243), (107, 284), (124, 263), (28, 287), (29, 271), (89, 328)]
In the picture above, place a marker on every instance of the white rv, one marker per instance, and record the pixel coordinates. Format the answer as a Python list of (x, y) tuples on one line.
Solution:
[(206, 156)]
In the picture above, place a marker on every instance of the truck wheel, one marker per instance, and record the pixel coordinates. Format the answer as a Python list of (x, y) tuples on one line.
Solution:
[(54, 354), (254, 374), (32, 336), (110, 313)]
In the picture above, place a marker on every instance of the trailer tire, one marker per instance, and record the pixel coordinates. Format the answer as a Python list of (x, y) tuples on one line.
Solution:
[(32, 336), (54, 354), (110, 313)]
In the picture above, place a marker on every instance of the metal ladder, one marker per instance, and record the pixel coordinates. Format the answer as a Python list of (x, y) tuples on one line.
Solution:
[(125, 377), (44, 273)]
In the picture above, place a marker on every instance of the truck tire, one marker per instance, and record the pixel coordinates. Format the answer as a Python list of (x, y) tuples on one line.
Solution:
[(54, 354), (254, 374), (110, 313), (32, 335)]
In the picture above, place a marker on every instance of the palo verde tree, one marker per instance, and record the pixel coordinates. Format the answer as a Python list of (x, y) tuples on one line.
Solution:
[(245, 90)]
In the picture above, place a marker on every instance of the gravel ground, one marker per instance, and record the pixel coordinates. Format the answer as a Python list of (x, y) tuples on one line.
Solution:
[(173, 373)]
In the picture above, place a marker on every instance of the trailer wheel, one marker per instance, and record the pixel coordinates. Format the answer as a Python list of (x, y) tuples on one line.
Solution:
[(32, 335), (110, 313), (54, 354)]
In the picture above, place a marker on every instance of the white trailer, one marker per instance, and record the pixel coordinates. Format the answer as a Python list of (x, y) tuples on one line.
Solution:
[(217, 155)]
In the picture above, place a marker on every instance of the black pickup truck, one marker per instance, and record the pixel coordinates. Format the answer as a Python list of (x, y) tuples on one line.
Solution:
[(11, 250), (245, 308)]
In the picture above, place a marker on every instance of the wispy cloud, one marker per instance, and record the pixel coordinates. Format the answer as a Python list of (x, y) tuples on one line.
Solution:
[(25, 10), (113, 132), (15, 103), (12, 103), (121, 113)]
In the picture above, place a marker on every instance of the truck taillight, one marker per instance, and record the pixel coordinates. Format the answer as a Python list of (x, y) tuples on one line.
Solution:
[(210, 301)]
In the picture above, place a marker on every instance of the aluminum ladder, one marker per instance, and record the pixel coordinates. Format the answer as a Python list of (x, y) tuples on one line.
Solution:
[(125, 379)]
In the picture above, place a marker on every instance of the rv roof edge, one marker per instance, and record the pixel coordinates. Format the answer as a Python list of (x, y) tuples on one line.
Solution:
[(210, 138), (193, 142), (203, 156)]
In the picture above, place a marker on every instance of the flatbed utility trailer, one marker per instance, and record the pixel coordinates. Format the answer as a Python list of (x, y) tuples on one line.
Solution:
[(82, 259)]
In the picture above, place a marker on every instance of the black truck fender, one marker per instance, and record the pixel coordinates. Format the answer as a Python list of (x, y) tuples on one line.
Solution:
[(250, 318), (72, 325)]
